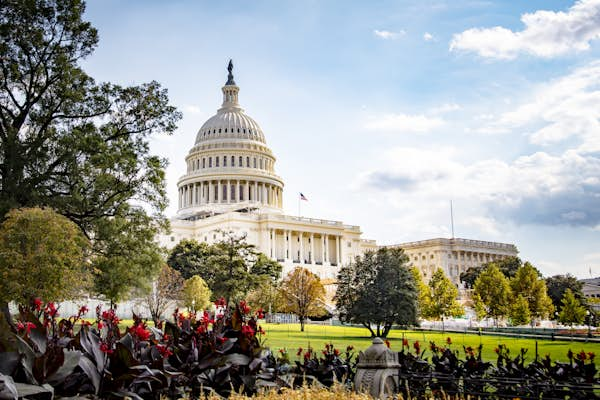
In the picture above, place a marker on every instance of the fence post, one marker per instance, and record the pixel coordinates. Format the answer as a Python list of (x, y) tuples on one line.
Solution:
[(377, 371)]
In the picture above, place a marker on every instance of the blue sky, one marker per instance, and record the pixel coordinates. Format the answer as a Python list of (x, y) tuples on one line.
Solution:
[(382, 112)]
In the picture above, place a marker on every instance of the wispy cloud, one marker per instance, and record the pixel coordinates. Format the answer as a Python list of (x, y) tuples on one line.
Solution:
[(546, 34), (192, 109), (388, 35), (428, 37), (404, 123)]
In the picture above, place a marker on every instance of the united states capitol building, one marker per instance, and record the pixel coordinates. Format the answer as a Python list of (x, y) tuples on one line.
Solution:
[(231, 185)]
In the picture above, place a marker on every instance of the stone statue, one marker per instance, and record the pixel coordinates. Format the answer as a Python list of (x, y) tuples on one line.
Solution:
[(230, 80), (377, 371)]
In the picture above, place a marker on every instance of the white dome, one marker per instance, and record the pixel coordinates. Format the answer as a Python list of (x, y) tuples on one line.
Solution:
[(230, 122)]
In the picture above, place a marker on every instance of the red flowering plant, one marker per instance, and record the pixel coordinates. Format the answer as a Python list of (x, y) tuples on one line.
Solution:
[(329, 366)]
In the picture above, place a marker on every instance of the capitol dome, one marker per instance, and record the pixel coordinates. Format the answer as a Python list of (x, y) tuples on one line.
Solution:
[(229, 167)]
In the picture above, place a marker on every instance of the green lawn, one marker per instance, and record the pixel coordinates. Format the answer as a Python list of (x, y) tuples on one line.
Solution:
[(289, 336)]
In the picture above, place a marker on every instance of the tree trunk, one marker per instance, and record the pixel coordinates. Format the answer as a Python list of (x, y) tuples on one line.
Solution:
[(368, 326), (6, 311), (386, 330), (301, 324)]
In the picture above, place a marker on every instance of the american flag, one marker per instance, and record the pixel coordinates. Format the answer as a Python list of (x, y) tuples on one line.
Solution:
[(302, 197)]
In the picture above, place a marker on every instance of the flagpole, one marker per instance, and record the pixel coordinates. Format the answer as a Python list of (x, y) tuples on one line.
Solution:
[(299, 214), (452, 219)]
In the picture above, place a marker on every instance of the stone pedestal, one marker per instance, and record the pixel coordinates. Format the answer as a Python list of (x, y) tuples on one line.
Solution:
[(377, 371)]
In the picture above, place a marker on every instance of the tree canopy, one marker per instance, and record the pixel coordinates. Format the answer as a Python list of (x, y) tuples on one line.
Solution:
[(528, 284), (196, 294), (42, 254), (78, 146), (377, 289), (492, 294), (302, 294), (557, 286), (231, 267), (508, 266), (441, 299), (166, 289)]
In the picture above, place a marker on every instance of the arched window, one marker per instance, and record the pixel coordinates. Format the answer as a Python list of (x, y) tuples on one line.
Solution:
[(254, 162), (224, 161), (204, 163), (219, 130), (216, 161), (209, 162), (240, 161), (248, 162), (233, 161)]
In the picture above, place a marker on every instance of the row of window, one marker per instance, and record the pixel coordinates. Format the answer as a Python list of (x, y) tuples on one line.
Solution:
[(231, 130), (233, 161)]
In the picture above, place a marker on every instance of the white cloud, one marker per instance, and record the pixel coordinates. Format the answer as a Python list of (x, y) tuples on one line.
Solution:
[(428, 37), (568, 107), (445, 108), (546, 34), (192, 109), (404, 123), (388, 34)]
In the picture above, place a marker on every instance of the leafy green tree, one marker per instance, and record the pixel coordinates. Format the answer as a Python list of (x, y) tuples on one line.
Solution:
[(75, 145), (441, 298), (166, 289), (196, 294), (377, 289), (422, 290), (266, 296), (42, 254), (528, 283), (508, 266), (238, 268), (491, 294), (572, 312), (190, 258), (557, 286), (303, 294), (519, 313)]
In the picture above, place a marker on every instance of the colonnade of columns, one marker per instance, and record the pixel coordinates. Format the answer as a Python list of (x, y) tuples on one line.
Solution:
[(304, 247), (225, 191)]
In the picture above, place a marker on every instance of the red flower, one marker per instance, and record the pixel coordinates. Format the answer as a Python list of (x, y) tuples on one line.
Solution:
[(261, 330), (591, 355), (220, 302), (221, 340), (281, 351), (20, 326), (247, 331), (324, 352), (388, 344), (307, 355), (85, 323), (105, 348), (200, 329), (140, 331), (336, 352), (405, 343), (163, 350), (100, 325), (581, 356), (83, 310), (51, 310), (448, 340), (37, 304), (260, 313), (417, 346), (497, 350), (28, 327), (244, 308), (166, 337), (299, 351), (349, 348)]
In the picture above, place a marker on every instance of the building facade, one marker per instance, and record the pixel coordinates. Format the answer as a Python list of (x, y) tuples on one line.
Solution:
[(231, 185), (454, 256)]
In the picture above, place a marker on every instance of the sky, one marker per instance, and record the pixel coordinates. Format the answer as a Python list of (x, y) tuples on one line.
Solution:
[(382, 112)]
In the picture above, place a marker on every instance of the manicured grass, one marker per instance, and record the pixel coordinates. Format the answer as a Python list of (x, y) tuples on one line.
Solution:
[(289, 336)]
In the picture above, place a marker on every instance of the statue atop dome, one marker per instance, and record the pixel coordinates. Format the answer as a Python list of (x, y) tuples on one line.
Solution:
[(230, 80)]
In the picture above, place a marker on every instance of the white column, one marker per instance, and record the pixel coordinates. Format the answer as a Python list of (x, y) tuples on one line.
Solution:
[(219, 192), (202, 197), (337, 250), (211, 195), (228, 191), (288, 245), (312, 248), (237, 191), (326, 248), (301, 248), (322, 248)]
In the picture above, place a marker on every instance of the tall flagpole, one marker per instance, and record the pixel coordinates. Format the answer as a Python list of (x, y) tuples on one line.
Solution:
[(452, 219), (299, 214)]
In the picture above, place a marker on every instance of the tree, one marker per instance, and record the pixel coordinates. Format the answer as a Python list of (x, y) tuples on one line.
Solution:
[(491, 294), (441, 298), (557, 286), (422, 290), (190, 258), (238, 268), (165, 290), (528, 284), (302, 294), (519, 313), (266, 296), (572, 312), (42, 254), (196, 294), (508, 266), (377, 289), (77, 146)]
